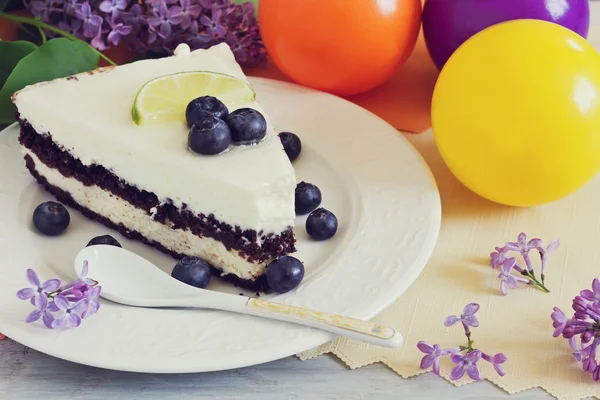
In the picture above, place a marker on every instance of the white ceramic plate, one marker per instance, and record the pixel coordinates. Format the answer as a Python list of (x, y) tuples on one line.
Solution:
[(371, 177)]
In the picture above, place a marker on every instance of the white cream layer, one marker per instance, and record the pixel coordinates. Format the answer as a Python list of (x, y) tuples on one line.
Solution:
[(120, 211), (249, 186)]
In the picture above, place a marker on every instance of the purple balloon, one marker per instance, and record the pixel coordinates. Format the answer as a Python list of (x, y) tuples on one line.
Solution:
[(447, 24)]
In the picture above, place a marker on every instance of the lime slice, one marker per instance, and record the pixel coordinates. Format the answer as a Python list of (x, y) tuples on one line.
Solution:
[(165, 98)]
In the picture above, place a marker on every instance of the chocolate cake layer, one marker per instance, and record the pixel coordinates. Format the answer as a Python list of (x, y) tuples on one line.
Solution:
[(232, 237), (260, 284)]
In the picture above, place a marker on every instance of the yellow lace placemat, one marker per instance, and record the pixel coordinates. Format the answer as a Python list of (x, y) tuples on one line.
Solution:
[(459, 273)]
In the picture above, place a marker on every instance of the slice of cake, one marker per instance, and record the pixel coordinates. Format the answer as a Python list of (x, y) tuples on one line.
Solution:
[(235, 209)]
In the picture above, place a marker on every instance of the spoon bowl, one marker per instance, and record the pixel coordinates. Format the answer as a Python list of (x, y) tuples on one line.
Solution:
[(130, 279)]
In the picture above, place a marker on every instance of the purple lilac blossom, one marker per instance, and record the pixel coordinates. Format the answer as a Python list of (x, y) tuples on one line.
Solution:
[(69, 6), (559, 321), (596, 374), (467, 318), (585, 309), (98, 43), (163, 21), (213, 25), (218, 3), (39, 290), (113, 7), (157, 26), (77, 292), (92, 23), (551, 248), (496, 360), (47, 317), (71, 315), (507, 280), (93, 305), (74, 300), (464, 363), (135, 18), (583, 329), (467, 363), (195, 37), (187, 11), (589, 364), (501, 256), (524, 247), (594, 294), (41, 9), (118, 30), (40, 304), (498, 257), (433, 355), (83, 275), (578, 352), (239, 47)]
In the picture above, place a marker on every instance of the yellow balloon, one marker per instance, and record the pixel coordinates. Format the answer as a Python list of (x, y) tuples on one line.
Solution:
[(516, 112)]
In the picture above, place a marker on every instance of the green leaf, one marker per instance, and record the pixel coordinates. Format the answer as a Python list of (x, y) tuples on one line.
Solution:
[(3, 4), (56, 58), (12, 52)]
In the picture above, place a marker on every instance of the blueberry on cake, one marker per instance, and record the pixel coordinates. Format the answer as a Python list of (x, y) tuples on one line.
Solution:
[(175, 152)]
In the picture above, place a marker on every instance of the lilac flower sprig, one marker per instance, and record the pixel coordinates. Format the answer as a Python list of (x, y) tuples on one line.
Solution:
[(501, 258), (60, 306), (156, 27), (582, 329), (467, 362)]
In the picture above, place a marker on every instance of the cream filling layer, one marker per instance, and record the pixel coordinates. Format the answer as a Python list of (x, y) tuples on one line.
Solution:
[(120, 211)]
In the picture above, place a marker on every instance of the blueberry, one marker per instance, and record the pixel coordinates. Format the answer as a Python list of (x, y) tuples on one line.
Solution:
[(51, 218), (247, 126), (193, 271), (209, 136), (104, 239), (291, 144), (285, 273), (197, 107), (321, 224), (308, 197)]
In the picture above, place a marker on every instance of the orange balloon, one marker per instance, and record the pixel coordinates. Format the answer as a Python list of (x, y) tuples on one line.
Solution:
[(339, 46)]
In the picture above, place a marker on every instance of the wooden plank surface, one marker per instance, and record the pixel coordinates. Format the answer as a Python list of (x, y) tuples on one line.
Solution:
[(28, 375)]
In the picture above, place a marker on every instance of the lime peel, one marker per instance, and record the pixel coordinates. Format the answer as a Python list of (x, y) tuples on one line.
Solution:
[(165, 98)]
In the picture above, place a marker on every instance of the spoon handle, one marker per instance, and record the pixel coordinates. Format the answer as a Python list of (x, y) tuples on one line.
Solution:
[(340, 325), (353, 328)]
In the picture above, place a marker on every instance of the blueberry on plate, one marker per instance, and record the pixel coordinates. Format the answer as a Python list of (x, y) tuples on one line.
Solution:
[(192, 270), (308, 197), (197, 107), (291, 144), (104, 239), (51, 218), (247, 126), (209, 136), (285, 273), (321, 224)]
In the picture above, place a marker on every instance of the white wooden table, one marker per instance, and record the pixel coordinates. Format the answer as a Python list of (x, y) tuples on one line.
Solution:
[(28, 375)]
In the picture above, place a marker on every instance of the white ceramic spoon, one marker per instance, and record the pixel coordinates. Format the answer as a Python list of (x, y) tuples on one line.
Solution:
[(129, 279)]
